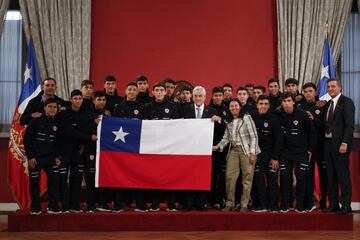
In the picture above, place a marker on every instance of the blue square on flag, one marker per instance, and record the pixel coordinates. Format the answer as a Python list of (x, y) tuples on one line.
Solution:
[(120, 134)]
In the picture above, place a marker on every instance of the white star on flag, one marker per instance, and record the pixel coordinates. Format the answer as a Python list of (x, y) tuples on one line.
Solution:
[(27, 73), (325, 72), (120, 135)]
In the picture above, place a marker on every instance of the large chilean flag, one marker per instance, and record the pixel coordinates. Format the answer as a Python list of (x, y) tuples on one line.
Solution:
[(18, 171), (154, 154)]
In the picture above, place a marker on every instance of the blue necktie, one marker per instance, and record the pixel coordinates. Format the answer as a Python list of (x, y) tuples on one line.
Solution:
[(198, 112)]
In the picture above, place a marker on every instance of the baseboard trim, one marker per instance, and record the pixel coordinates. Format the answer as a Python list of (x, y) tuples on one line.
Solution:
[(5, 207), (355, 206)]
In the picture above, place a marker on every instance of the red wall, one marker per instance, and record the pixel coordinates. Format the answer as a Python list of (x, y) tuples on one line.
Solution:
[(207, 42)]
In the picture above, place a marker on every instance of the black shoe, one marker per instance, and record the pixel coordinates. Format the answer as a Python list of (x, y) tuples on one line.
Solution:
[(310, 208), (331, 209), (104, 208), (273, 209), (35, 211), (344, 210), (260, 209), (141, 209), (75, 210), (284, 209), (53, 210), (90, 209), (117, 209), (300, 209), (154, 209)]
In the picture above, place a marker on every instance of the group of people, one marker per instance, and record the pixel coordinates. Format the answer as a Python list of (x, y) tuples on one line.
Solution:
[(262, 144)]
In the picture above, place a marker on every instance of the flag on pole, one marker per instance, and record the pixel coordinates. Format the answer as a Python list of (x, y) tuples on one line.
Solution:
[(18, 173), (327, 71), (154, 154)]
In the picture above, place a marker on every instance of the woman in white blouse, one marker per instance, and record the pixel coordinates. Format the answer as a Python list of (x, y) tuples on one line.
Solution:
[(242, 136)]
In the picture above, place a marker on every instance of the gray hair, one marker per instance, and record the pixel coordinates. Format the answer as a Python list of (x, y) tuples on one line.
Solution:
[(199, 88)]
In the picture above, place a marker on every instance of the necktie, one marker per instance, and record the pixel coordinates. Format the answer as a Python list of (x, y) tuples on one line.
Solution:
[(198, 112), (330, 117)]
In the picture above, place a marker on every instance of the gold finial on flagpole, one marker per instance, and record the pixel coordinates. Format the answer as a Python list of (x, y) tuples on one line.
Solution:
[(327, 29)]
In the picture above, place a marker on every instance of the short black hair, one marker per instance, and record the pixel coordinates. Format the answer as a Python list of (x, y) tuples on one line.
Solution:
[(50, 100), (132, 84), (249, 85), (169, 80), (75, 92), (241, 89), (334, 80), (110, 78), (99, 94), (186, 88), (86, 82), (159, 84), (141, 78), (227, 85), (47, 79), (291, 81), (309, 84), (263, 97), (272, 80), (287, 95), (262, 88), (217, 90)]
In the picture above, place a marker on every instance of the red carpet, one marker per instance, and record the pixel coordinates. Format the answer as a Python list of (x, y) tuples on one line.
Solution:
[(178, 221)]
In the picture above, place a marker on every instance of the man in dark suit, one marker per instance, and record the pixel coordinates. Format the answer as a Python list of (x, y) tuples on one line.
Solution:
[(339, 128), (198, 110)]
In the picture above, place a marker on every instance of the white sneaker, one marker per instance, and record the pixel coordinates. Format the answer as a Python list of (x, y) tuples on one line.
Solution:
[(154, 209), (35, 213), (171, 210)]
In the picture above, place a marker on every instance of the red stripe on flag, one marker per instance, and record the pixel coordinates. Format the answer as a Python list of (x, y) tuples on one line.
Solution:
[(154, 171)]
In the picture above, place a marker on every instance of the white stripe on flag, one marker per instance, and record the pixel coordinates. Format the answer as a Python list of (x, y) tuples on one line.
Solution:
[(97, 163), (23, 105), (177, 137)]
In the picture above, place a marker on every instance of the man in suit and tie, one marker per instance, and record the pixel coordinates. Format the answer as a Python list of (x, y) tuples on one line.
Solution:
[(198, 110), (339, 128)]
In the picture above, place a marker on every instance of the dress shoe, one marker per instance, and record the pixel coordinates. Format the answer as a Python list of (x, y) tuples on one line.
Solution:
[(344, 210)]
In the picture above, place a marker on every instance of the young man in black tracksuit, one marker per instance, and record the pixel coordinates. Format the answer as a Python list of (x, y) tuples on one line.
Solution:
[(71, 153), (267, 164), (218, 189), (298, 144), (87, 90), (228, 92), (112, 97), (161, 109), (35, 107), (143, 85), (130, 108), (315, 114), (274, 94), (42, 150), (88, 125)]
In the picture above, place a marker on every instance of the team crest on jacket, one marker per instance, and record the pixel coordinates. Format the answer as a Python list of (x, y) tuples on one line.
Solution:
[(224, 112), (266, 124), (54, 128), (317, 112), (136, 112), (167, 110), (296, 122), (92, 157)]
